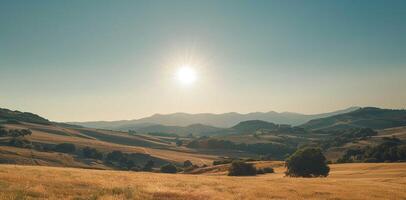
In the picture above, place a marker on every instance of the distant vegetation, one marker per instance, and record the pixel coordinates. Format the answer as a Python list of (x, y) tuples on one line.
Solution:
[(278, 151), (169, 168), (65, 148), (307, 162), (242, 168), (14, 132), (239, 168), (369, 117), (93, 153), (16, 116), (163, 134), (340, 137), (391, 150)]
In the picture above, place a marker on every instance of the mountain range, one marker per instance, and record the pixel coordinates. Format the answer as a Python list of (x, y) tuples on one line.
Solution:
[(224, 120)]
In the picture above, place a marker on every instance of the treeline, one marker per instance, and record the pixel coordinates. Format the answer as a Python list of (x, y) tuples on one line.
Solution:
[(277, 151), (14, 132), (341, 137), (391, 150)]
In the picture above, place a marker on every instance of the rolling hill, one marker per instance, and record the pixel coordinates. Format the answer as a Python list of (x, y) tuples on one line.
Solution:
[(195, 129), (368, 117), (225, 120)]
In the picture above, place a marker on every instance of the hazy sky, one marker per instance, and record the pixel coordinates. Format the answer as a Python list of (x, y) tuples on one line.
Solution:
[(107, 60)]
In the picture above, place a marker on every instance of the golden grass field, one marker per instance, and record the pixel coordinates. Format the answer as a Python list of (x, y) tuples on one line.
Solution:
[(346, 181)]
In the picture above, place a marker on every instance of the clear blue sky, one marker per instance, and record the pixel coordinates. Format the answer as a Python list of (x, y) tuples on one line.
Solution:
[(106, 60)]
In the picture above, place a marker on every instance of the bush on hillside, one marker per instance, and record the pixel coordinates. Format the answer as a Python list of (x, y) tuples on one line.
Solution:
[(268, 170), (307, 162), (65, 148), (169, 168), (240, 168), (148, 166), (187, 163), (222, 162), (89, 152), (20, 142)]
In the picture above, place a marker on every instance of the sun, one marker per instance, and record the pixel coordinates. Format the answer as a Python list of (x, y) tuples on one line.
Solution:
[(186, 75)]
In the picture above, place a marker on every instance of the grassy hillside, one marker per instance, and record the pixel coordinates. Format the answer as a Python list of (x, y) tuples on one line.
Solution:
[(15, 116), (104, 141), (194, 129), (368, 117), (347, 181)]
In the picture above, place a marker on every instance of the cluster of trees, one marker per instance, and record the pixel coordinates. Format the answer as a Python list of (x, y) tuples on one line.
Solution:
[(65, 148), (14, 132), (241, 168), (17, 135), (390, 150), (342, 137), (279, 151), (93, 153)]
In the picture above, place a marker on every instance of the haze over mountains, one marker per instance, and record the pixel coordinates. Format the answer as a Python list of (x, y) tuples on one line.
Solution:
[(224, 120)]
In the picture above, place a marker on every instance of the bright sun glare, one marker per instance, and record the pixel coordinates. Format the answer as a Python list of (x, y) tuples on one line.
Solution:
[(186, 75)]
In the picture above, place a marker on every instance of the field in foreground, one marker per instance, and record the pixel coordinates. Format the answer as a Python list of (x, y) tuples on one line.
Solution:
[(347, 181)]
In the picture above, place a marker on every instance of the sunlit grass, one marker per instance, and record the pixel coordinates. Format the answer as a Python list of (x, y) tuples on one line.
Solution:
[(347, 181)]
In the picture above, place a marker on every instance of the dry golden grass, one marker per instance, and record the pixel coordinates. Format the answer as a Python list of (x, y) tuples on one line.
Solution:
[(347, 181), (45, 134)]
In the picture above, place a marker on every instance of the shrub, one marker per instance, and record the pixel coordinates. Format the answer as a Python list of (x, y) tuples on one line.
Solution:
[(307, 162), (65, 148), (221, 162), (169, 168), (265, 170), (20, 142), (92, 153), (268, 170), (148, 166), (187, 163), (115, 156), (179, 143), (260, 171), (239, 168)]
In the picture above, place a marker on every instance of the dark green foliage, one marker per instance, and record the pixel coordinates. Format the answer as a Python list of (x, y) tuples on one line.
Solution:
[(390, 150), (17, 116), (187, 163), (240, 168), (307, 162), (277, 150), (148, 166), (369, 117), (15, 132), (114, 156), (20, 142), (3, 132), (268, 170), (131, 161), (179, 143), (163, 134), (65, 148), (89, 152), (169, 168), (265, 170), (341, 137), (222, 162)]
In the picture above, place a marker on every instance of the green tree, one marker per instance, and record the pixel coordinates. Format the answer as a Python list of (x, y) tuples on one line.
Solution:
[(148, 166), (240, 168), (169, 168), (307, 162)]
